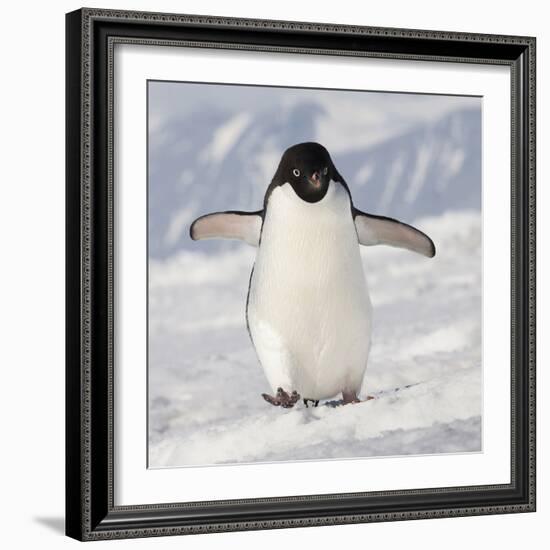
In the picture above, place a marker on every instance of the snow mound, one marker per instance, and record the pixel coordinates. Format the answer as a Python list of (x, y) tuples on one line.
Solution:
[(424, 370)]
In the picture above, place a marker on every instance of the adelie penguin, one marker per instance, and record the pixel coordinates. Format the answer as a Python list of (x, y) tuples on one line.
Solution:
[(308, 309)]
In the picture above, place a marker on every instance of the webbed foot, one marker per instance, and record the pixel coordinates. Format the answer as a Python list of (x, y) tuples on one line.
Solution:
[(282, 398), (315, 402), (351, 397)]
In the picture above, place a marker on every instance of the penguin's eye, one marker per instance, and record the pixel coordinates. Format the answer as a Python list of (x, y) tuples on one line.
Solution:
[(296, 172), (325, 170)]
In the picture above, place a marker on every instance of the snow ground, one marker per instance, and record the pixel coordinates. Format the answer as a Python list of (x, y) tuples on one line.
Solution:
[(424, 369)]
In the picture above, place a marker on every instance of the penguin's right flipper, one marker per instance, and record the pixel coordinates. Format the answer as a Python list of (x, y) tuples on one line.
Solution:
[(373, 230), (243, 226)]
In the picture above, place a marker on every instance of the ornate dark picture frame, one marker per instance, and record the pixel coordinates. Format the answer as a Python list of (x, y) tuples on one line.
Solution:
[(90, 510)]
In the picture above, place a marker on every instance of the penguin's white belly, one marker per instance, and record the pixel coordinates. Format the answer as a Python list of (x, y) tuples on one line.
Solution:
[(309, 311)]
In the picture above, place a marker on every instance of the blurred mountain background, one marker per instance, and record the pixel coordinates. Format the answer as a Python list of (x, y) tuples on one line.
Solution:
[(216, 147)]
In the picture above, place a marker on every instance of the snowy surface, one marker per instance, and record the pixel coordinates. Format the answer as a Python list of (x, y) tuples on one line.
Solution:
[(424, 369)]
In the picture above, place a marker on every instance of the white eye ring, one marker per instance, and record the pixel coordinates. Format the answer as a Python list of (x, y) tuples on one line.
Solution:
[(325, 170), (296, 172)]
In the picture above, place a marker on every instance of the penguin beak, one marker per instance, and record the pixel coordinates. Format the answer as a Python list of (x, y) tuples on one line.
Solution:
[(315, 179)]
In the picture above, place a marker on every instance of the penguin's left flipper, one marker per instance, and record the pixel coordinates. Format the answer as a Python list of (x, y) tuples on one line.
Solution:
[(373, 230), (243, 226), (282, 398)]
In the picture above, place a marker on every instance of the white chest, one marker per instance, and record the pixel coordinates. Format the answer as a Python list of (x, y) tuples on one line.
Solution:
[(309, 309)]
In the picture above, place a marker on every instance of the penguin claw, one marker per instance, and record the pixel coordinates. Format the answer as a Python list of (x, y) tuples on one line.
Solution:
[(282, 398)]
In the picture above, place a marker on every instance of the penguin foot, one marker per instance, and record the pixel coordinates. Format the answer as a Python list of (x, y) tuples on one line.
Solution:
[(282, 398), (350, 397), (315, 402)]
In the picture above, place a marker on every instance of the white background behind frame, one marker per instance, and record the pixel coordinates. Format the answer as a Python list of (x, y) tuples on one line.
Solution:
[(134, 484), (34, 517)]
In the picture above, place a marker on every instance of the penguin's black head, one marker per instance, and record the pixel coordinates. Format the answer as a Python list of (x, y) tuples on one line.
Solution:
[(308, 168)]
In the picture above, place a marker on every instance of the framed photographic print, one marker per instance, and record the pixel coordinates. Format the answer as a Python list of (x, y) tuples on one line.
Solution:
[(300, 274)]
